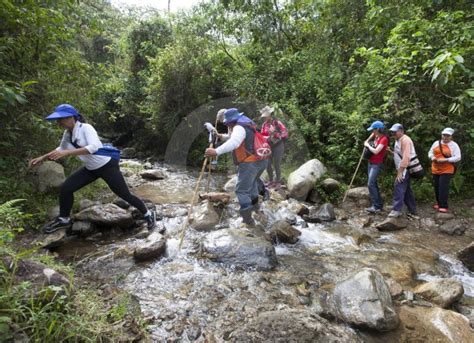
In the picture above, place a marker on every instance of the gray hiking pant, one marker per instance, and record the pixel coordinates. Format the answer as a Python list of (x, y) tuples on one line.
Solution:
[(278, 150)]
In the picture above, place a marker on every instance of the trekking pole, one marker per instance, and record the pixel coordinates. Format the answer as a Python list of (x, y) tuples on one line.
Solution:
[(353, 176), (183, 230), (212, 132)]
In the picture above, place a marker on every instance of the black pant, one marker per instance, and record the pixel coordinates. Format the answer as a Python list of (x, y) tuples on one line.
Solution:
[(110, 173), (441, 187)]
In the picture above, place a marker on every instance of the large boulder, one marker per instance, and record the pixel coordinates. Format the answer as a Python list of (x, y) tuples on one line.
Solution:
[(358, 197), (443, 292), (290, 325), (204, 217), (150, 248), (434, 324), (239, 248), (106, 215), (392, 224), (53, 240), (466, 256), (153, 174), (302, 180), (282, 232), (49, 176), (364, 300)]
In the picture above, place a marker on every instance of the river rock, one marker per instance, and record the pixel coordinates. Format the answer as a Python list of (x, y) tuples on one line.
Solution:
[(240, 248), (466, 256), (297, 208), (122, 203), (39, 277), (218, 197), (106, 215), (325, 213), (291, 325), (364, 300), (330, 185), (442, 217), (128, 153), (83, 228), (48, 176), (442, 292), (302, 180), (53, 240), (282, 231), (152, 247), (86, 203), (392, 224), (453, 227), (315, 197), (358, 197), (434, 324), (153, 174), (204, 217)]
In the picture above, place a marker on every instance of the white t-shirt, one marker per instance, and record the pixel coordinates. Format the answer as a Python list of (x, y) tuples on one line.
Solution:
[(85, 136)]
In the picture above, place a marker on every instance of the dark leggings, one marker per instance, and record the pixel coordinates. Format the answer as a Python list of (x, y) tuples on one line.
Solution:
[(441, 188), (110, 173)]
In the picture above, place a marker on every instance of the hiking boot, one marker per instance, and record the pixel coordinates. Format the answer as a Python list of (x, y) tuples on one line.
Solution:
[(58, 224), (256, 205), (413, 215), (436, 207), (442, 210), (150, 220), (247, 217), (394, 214), (372, 210), (266, 194)]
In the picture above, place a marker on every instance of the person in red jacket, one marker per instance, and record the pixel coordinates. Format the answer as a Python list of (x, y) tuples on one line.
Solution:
[(276, 134), (378, 150)]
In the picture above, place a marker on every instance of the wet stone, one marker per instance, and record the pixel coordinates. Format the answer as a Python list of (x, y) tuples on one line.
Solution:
[(204, 217), (106, 215), (466, 256), (153, 174), (151, 248), (239, 248), (282, 232), (453, 227), (83, 228), (392, 224), (364, 300), (442, 292)]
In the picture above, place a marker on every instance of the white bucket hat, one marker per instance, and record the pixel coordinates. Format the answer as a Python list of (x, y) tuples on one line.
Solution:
[(447, 131), (266, 111)]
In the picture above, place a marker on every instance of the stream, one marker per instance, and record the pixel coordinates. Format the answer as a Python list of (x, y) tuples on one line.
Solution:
[(191, 297)]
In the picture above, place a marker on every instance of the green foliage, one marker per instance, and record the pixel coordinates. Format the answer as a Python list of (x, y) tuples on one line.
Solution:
[(11, 222)]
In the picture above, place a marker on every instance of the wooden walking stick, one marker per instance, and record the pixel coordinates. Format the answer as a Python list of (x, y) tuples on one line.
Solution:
[(191, 206), (353, 176)]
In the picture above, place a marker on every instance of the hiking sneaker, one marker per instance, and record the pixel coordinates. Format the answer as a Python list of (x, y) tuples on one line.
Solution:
[(412, 215), (150, 220), (436, 207), (57, 224), (394, 214), (266, 194), (372, 209), (443, 210)]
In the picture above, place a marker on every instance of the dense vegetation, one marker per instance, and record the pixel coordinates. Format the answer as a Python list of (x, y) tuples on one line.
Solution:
[(331, 66)]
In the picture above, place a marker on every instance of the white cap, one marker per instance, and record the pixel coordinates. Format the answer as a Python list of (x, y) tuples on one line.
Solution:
[(396, 127), (448, 131), (220, 115), (266, 111)]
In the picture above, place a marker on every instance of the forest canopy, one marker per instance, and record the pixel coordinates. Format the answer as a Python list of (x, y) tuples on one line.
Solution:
[(331, 66)]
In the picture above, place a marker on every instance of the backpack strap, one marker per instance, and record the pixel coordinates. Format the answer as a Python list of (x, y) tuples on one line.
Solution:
[(441, 149)]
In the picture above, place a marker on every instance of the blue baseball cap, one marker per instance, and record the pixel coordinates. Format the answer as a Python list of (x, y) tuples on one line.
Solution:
[(232, 115), (63, 111), (376, 125)]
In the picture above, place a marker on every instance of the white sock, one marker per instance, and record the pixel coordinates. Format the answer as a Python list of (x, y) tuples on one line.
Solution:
[(148, 213)]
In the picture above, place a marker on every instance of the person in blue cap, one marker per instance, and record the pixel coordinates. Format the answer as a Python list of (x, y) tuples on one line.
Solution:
[(81, 140), (378, 150), (249, 165)]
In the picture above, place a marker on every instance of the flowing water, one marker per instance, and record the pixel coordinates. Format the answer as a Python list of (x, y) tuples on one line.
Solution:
[(189, 296)]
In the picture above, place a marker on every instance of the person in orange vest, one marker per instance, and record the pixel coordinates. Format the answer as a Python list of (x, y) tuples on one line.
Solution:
[(249, 166), (444, 154)]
